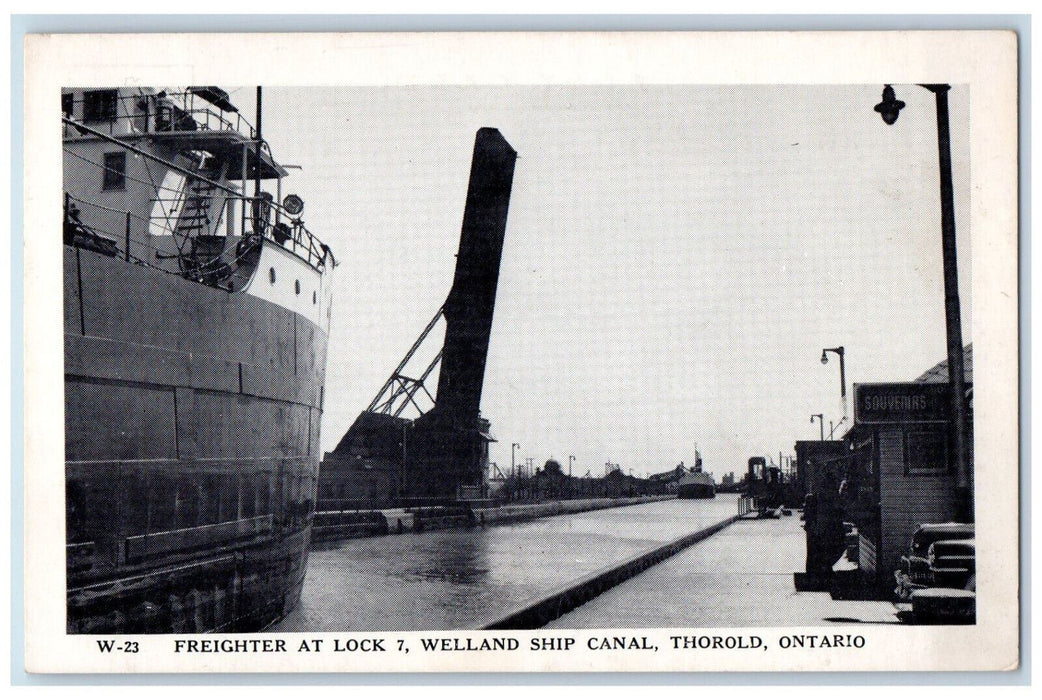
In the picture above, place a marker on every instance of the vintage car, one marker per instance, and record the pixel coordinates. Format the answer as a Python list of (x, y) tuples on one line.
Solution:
[(952, 562), (941, 555)]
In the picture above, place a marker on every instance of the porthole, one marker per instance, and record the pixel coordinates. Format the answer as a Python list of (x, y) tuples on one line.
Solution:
[(296, 286), (271, 275)]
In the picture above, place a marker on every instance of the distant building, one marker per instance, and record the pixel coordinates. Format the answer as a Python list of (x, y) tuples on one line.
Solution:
[(368, 463)]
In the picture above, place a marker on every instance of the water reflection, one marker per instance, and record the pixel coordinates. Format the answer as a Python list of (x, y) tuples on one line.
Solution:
[(456, 579), (461, 561)]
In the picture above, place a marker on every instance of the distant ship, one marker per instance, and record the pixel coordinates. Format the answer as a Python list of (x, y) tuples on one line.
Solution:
[(197, 307), (696, 484)]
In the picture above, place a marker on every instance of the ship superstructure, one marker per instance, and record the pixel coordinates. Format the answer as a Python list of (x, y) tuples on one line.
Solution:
[(197, 307)]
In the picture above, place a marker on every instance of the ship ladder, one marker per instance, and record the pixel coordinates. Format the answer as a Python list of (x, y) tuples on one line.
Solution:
[(194, 225)]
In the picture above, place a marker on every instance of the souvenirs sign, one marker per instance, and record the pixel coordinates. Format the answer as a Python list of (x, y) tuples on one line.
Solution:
[(901, 402)]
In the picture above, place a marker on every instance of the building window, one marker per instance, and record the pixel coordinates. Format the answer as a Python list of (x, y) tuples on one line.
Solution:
[(67, 104), (115, 171), (926, 453), (99, 105)]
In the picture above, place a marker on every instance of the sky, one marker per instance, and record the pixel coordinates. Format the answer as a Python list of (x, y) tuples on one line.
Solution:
[(676, 257)]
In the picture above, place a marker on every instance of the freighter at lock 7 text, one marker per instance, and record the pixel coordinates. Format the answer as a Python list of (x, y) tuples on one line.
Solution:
[(197, 308)]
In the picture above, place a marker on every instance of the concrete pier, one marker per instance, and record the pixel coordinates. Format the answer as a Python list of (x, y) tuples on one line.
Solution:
[(742, 576), (546, 608)]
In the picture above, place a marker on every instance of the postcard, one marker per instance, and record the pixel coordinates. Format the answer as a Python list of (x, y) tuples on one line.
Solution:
[(432, 352)]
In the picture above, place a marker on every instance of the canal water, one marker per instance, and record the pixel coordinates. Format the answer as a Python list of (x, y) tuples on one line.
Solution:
[(461, 579)]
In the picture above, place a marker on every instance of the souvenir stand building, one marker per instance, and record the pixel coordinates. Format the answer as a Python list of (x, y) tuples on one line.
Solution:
[(900, 468)]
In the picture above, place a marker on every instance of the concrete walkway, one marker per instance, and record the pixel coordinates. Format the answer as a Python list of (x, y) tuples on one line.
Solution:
[(741, 576)]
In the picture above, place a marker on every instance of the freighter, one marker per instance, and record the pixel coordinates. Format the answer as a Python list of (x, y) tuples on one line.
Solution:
[(696, 483), (197, 307)]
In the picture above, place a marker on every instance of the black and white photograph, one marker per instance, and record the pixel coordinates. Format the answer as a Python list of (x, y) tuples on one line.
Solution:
[(393, 371)]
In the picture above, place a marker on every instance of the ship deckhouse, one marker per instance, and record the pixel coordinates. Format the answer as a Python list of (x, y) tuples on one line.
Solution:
[(181, 181)]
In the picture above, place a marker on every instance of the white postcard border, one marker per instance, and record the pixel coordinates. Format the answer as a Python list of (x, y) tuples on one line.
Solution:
[(984, 60)]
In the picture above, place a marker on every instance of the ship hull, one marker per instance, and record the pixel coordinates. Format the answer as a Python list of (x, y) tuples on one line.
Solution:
[(696, 491), (696, 486), (191, 436)]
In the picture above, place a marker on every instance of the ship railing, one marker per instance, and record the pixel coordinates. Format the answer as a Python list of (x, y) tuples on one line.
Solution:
[(265, 217), (203, 111), (117, 241), (145, 113), (228, 272), (261, 216)]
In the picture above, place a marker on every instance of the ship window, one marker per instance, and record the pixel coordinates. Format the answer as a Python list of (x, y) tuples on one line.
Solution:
[(67, 104), (115, 171), (271, 275), (296, 286), (99, 105)]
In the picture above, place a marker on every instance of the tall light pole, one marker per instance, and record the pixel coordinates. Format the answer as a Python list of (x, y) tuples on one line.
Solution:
[(821, 423), (405, 454), (842, 373), (513, 481), (889, 108), (571, 458)]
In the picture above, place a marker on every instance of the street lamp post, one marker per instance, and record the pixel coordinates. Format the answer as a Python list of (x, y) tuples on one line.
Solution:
[(513, 482), (821, 423), (889, 108), (571, 458), (842, 372), (405, 455)]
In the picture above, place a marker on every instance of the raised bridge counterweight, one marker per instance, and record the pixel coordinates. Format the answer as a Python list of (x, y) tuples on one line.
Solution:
[(472, 299)]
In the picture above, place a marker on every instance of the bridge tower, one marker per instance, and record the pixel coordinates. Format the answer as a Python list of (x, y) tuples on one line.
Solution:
[(444, 452)]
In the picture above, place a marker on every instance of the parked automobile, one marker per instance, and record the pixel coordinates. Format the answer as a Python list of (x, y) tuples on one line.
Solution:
[(941, 555), (952, 562)]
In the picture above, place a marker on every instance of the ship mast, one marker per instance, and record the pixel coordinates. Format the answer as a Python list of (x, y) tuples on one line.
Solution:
[(257, 179)]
